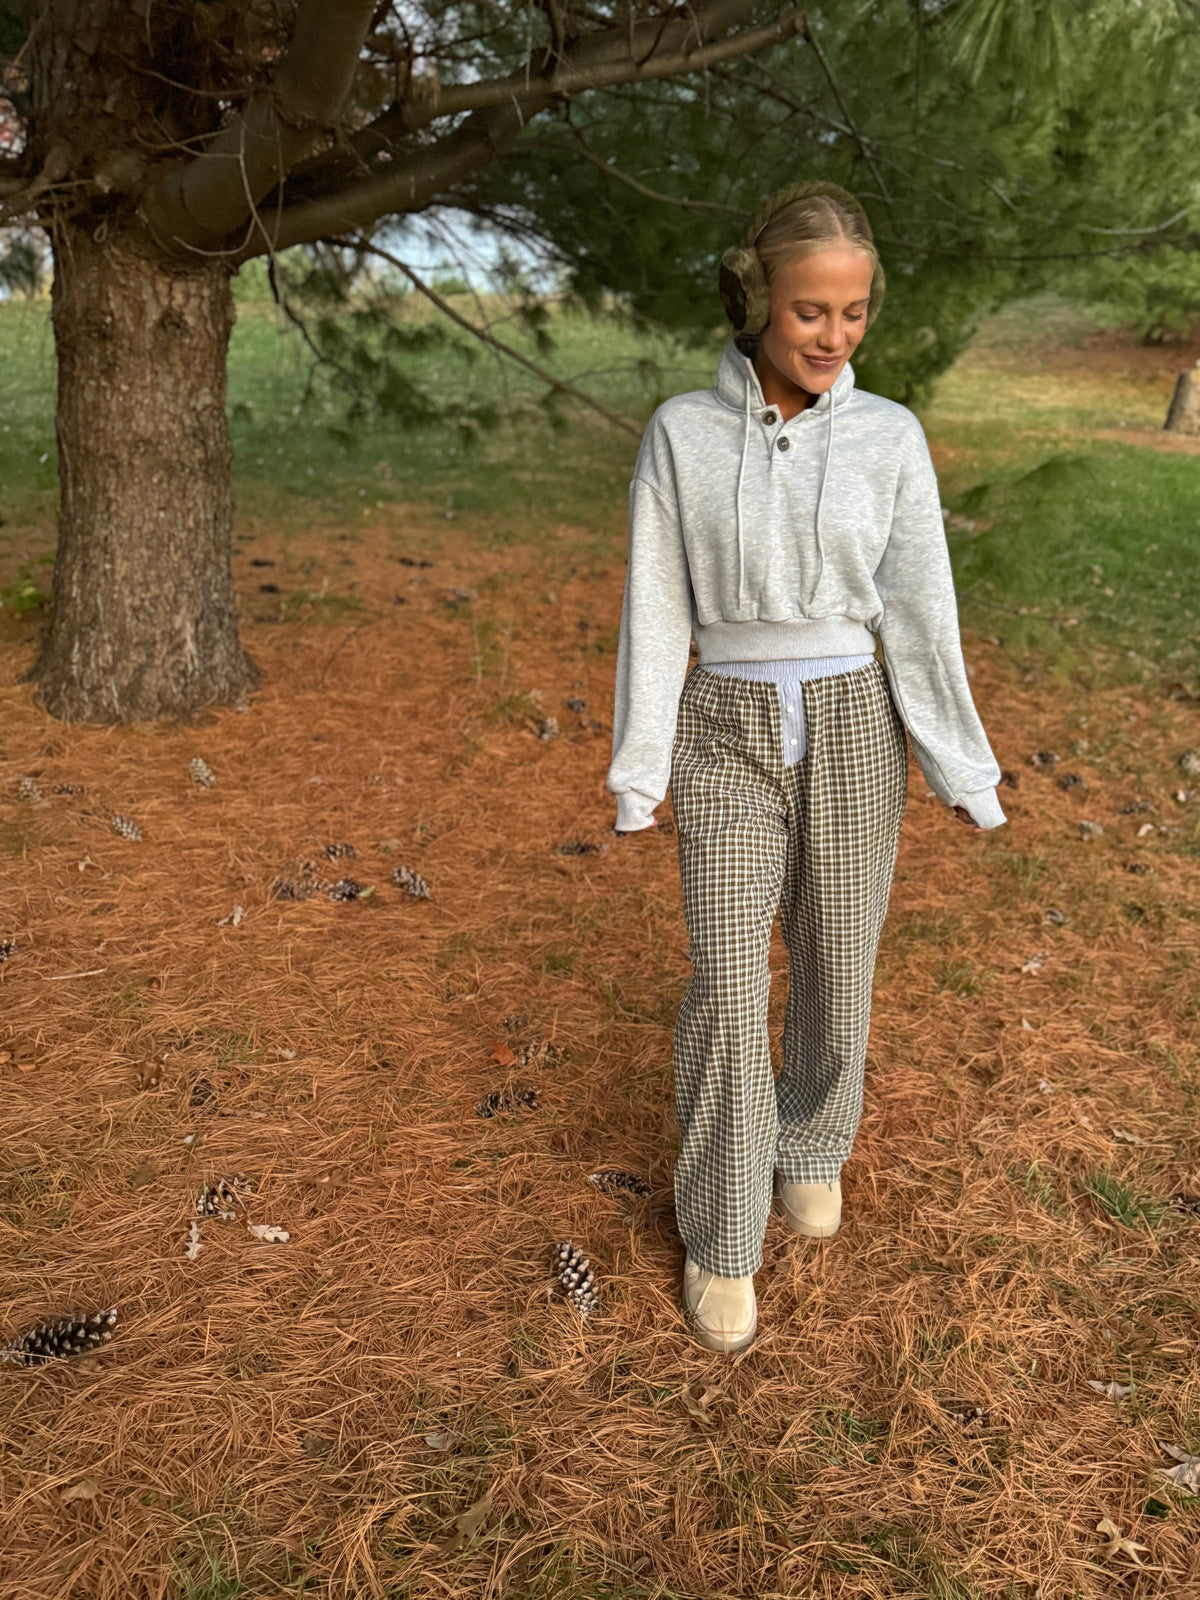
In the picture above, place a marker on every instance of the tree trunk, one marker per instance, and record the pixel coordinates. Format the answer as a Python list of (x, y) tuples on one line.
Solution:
[(143, 622), (1184, 415)]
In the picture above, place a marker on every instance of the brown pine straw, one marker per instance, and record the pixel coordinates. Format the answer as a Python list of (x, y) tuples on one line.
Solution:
[(265, 1407)]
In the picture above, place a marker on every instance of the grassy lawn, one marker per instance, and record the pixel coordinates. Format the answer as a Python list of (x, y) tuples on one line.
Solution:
[(1068, 542)]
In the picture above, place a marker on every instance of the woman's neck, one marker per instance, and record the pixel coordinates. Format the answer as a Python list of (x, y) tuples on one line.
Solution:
[(778, 389)]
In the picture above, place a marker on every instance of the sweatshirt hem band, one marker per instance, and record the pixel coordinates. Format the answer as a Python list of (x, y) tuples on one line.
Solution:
[(774, 641)]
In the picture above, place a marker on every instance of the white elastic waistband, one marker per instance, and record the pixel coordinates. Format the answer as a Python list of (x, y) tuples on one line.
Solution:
[(802, 669)]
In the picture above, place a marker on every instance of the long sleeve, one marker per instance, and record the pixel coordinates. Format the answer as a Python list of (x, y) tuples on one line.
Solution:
[(922, 649), (652, 655)]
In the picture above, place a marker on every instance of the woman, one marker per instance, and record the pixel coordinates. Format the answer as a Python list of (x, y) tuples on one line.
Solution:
[(786, 521)]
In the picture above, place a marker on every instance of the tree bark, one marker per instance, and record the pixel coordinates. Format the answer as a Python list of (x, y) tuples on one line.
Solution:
[(143, 622), (1184, 415)]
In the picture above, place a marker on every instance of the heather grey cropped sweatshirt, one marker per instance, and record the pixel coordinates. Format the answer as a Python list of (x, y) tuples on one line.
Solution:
[(767, 540)]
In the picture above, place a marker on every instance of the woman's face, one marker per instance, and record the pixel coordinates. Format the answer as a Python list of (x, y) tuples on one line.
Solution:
[(818, 315)]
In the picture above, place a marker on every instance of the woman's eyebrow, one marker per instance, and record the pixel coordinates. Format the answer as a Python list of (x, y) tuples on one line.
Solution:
[(823, 305)]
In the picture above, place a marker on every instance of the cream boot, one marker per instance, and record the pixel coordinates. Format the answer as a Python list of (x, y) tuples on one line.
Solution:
[(813, 1209), (724, 1311)]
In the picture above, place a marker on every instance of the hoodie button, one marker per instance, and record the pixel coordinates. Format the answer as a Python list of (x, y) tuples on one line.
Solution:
[(769, 418), (784, 442)]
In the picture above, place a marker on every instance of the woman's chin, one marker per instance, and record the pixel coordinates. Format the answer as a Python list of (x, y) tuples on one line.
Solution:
[(815, 379)]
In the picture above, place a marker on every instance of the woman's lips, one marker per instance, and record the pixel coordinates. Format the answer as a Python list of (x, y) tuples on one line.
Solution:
[(824, 362)]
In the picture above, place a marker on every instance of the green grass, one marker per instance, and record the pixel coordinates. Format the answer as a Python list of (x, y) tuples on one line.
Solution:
[(210, 1584), (1121, 1202), (572, 469), (1034, 1182), (1086, 546), (1062, 516), (296, 463)]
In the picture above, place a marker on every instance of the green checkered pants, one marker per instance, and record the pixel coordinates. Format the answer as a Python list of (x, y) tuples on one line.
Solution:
[(816, 841)]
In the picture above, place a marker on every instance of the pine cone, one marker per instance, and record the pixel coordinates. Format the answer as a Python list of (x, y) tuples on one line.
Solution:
[(575, 703), (202, 774), (577, 847), (611, 1180), (306, 883), (28, 789), (501, 1100), (202, 1092), (965, 1412), (548, 728), (541, 1053), (406, 878), (69, 788), (576, 1275), (345, 889), (222, 1199), (338, 852), (126, 827), (67, 1336), (8, 947)]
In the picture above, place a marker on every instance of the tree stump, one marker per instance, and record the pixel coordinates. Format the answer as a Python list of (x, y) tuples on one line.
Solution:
[(1184, 415)]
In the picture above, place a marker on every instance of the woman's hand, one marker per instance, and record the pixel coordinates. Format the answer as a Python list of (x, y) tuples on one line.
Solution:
[(964, 815), (628, 833)]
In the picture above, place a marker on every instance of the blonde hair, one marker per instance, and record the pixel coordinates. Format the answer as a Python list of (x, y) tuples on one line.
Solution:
[(806, 226), (793, 222)]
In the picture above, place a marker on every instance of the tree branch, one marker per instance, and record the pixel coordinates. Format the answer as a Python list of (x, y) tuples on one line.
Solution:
[(197, 206), (391, 133), (810, 38), (409, 185), (487, 338), (627, 178), (504, 108), (575, 76)]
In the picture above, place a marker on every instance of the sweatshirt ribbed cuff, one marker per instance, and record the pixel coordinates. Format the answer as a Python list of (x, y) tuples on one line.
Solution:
[(634, 810), (984, 808)]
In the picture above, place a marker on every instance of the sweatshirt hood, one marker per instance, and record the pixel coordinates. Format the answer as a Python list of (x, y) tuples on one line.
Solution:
[(737, 386), (737, 380)]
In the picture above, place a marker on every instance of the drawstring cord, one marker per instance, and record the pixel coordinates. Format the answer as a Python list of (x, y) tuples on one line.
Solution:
[(741, 474), (821, 498)]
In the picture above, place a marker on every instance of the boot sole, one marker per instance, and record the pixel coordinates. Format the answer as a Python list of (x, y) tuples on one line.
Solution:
[(808, 1230)]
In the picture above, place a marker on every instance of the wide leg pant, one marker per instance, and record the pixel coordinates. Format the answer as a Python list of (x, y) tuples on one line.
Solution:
[(816, 841)]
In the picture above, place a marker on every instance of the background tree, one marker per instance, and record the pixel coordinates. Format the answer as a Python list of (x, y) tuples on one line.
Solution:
[(162, 146), (1000, 149)]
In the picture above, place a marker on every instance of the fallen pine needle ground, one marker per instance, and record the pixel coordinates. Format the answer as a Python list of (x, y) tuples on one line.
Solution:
[(354, 1375)]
